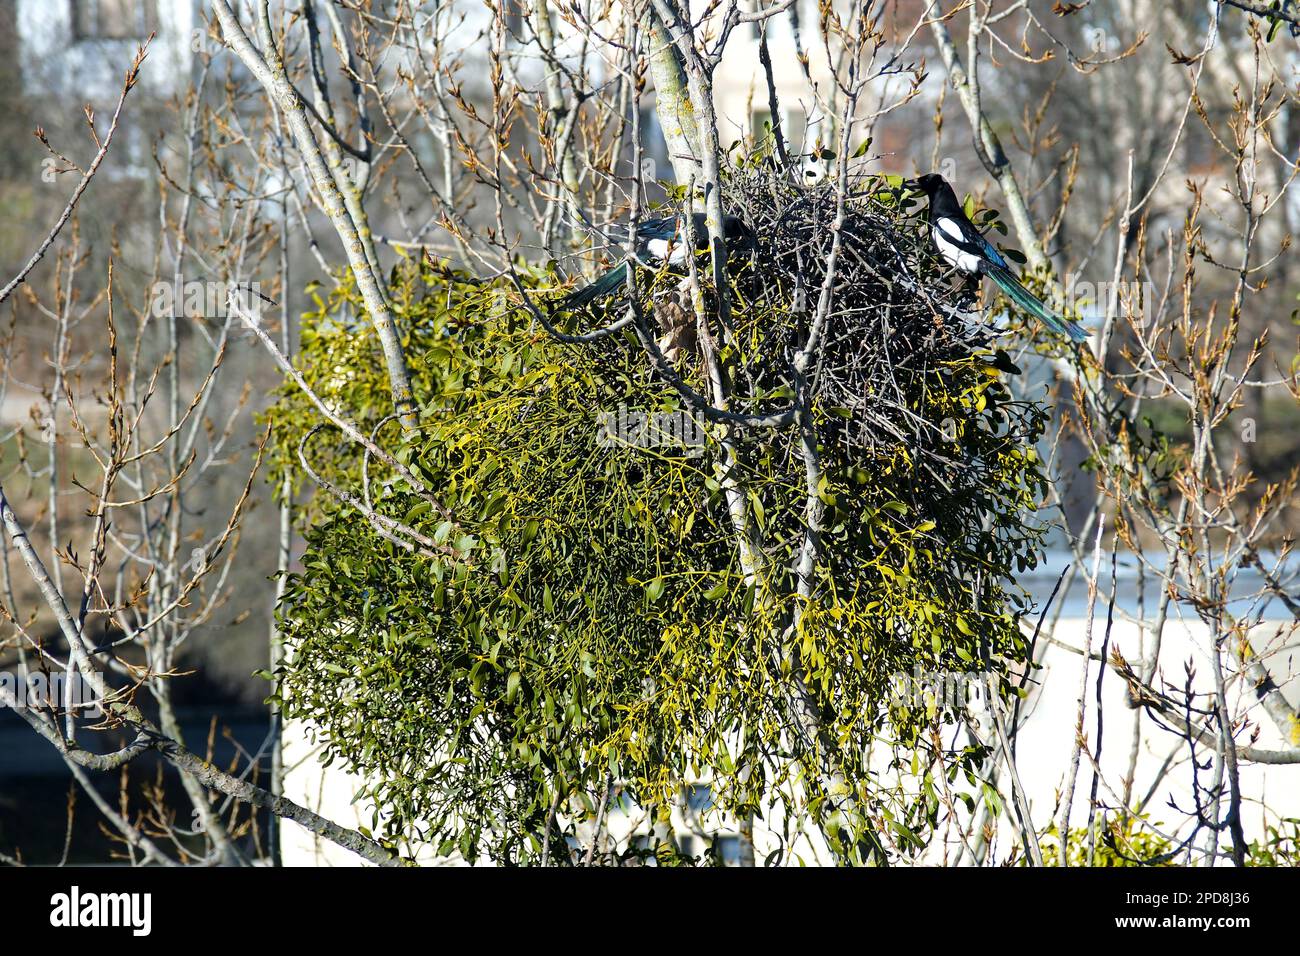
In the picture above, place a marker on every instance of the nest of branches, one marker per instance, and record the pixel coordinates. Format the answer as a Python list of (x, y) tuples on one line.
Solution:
[(890, 324), (890, 317)]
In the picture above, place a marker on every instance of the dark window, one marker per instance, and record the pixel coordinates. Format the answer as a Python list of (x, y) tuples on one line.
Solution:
[(699, 798), (515, 16), (655, 161), (114, 19), (728, 850)]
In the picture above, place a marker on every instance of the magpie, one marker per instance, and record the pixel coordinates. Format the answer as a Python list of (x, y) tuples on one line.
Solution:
[(965, 248), (658, 242)]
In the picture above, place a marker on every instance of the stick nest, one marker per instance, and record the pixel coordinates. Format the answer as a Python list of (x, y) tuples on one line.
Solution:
[(893, 320)]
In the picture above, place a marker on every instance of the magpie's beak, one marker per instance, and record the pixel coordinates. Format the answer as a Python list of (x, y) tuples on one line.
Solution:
[(913, 184)]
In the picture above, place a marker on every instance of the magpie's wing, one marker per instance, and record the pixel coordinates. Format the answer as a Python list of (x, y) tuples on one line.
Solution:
[(664, 227), (962, 234)]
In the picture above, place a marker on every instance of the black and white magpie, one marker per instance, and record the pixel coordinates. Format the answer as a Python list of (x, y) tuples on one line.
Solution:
[(966, 249), (658, 242)]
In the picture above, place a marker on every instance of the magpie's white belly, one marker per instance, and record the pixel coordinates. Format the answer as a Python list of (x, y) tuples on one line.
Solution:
[(672, 251), (658, 248), (965, 261), (677, 251)]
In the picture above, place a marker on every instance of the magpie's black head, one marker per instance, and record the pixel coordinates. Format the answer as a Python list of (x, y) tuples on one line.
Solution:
[(735, 231), (929, 184), (943, 201)]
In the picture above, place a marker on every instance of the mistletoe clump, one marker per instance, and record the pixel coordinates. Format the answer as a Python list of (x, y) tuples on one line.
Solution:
[(616, 615)]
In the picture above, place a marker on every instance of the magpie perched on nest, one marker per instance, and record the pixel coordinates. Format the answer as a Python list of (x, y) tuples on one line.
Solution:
[(965, 248), (659, 242)]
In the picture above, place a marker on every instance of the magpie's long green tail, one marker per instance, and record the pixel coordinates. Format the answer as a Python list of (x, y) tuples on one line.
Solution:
[(603, 286), (1031, 304)]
